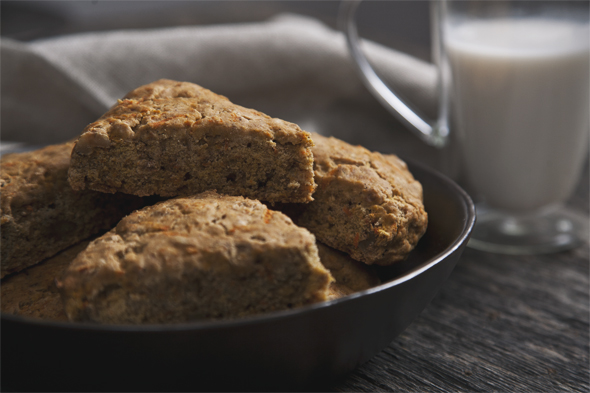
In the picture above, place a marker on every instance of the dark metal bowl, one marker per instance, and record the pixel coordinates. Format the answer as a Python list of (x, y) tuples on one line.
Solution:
[(304, 348)]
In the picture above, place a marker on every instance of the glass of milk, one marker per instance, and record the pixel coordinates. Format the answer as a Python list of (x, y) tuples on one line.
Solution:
[(514, 114)]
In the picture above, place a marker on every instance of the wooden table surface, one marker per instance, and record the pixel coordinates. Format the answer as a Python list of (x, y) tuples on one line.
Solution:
[(501, 323)]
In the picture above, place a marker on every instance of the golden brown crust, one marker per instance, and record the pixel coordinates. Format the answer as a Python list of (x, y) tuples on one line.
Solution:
[(176, 138), (33, 293), (207, 256), (41, 214), (366, 204)]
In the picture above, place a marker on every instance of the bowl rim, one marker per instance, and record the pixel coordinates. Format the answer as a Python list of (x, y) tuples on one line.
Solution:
[(273, 316)]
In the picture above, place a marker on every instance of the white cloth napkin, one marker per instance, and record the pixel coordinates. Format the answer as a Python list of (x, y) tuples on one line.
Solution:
[(290, 66)]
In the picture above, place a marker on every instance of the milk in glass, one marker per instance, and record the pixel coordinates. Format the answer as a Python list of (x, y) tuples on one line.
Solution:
[(520, 93)]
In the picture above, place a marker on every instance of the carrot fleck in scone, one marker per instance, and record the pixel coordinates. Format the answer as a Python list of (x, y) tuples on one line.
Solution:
[(32, 292), (350, 276), (206, 256), (178, 139), (366, 204), (41, 214)]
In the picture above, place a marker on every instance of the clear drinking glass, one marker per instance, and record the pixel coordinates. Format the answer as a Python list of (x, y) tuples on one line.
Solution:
[(514, 108)]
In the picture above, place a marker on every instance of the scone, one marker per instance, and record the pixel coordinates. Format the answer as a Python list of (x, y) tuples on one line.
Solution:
[(33, 293), (350, 276), (179, 139), (41, 214), (366, 204), (206, 256)]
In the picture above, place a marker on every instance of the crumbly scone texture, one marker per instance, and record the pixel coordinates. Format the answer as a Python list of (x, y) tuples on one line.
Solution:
[(350, 276), (185, 259), (32, 292), (178, 139), (41, 214), (367, 204)]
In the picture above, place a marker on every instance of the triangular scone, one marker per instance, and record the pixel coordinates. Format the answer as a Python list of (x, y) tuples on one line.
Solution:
[(41, 215), (367, 204), (192, 258), (177, 138)]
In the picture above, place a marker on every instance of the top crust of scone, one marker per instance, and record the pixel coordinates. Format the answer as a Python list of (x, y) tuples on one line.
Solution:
[(176, 138), (176, 107)]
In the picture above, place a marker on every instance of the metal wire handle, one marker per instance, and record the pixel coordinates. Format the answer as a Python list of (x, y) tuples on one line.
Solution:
[(433, 133)]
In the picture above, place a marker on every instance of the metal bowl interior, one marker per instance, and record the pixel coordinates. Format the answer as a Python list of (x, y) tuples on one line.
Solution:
[(299, 349)]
